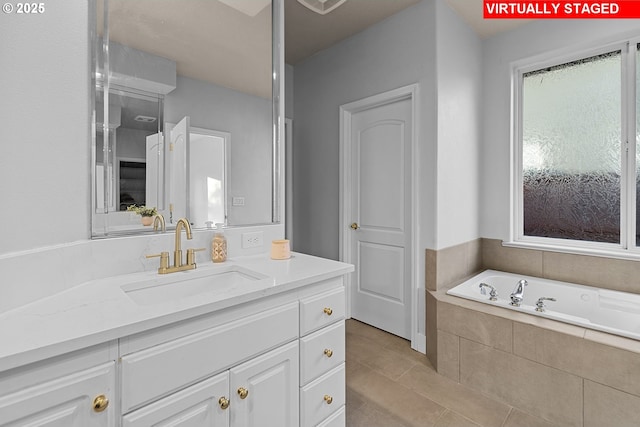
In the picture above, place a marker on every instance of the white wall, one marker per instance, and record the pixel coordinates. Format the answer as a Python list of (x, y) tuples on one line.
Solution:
[(499, 52), (459, 65), (45, 216), (44, 105)]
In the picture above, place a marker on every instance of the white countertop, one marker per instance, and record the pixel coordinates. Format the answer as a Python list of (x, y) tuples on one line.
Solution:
[(100, 310)]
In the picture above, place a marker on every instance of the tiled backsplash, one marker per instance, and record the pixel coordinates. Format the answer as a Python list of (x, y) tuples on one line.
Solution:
[(31, 275)]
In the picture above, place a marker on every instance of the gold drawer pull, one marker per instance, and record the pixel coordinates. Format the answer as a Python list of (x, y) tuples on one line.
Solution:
[(328, 352), (328, 399), (100, 403), (223, 402), (243, 393), (328, 311)]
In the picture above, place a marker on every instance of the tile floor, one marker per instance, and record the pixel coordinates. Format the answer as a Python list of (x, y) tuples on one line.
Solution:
[(390, 385)]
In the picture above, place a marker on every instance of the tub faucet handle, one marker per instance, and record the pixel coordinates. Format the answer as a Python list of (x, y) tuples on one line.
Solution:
[(493, 293), (540, 303)]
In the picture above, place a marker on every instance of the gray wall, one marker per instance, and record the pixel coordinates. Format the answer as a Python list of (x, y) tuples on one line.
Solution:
[(288, 91), (248, 119), (426, 44), (394, 53), (44, 105)]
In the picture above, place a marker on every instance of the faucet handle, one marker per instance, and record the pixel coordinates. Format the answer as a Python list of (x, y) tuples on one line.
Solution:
[(493, 294), (540, 303), (191, 255), (164, 261)]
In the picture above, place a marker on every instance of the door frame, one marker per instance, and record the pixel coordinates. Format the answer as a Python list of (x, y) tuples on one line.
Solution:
[(288, 193), (418, 341)]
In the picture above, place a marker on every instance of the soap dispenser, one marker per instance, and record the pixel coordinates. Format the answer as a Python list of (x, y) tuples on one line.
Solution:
[(219, 245)]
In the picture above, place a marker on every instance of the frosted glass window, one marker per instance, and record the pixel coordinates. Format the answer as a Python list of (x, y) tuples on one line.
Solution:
[(571, 161)]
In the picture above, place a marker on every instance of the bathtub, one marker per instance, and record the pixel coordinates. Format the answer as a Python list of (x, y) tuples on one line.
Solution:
[(600, 309)]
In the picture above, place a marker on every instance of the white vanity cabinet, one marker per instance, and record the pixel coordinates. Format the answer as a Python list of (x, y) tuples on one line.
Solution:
[(322, 356), (204, 404), (263, 387), (272, 360), (71, 393), (260, 392), (264, 391)]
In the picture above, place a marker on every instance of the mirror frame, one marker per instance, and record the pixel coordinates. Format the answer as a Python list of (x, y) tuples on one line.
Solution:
[(277, 139)]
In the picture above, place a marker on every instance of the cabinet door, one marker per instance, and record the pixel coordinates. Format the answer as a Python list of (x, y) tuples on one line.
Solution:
[(64, 402), (205, 404), (265, 390)]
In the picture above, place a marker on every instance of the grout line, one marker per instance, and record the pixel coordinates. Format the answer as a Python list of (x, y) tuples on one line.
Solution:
[(507, 417)]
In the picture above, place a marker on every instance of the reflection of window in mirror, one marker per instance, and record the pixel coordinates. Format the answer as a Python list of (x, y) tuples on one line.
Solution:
[(135, 130)]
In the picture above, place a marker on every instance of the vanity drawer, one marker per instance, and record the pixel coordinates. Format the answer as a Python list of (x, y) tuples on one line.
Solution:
[(321, 310), (315, 397), (168, 367), (338, 419), (321, 351)]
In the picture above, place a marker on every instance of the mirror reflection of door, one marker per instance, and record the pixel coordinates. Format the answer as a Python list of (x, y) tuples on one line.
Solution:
[(197, 172), (207, 190)]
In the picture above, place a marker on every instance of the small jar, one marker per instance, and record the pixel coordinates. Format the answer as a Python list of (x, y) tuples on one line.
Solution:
[(219, 246)]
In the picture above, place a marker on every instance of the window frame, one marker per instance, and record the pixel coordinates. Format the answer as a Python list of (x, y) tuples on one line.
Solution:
[(626, 248)]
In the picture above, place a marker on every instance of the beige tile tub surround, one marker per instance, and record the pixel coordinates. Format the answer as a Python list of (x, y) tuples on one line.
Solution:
[(556, 371), (452, 264), (608, 273), (568, 375)]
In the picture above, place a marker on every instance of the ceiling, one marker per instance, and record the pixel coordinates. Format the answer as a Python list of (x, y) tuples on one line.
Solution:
[(307, 33), (228, 42)]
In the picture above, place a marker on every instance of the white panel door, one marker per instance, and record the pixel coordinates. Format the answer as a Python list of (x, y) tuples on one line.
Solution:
[(381, 224), (178, 170), (154, 179), (264, 390)]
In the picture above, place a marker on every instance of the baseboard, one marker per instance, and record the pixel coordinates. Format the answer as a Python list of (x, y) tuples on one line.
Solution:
[(420, 343)]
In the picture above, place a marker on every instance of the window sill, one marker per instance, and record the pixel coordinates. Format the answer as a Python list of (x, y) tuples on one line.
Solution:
[(624, 254)]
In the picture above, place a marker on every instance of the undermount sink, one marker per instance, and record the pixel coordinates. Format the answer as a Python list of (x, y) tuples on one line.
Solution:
[(181, 285)]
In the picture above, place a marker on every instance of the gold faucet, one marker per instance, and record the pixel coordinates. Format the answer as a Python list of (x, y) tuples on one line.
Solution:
[(158, 220), (177, 253)]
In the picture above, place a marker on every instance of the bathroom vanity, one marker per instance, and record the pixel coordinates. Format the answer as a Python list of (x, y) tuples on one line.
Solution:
[(264, 345)]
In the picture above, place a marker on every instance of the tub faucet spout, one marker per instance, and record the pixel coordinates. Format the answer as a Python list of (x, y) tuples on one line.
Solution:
[(518, 293)]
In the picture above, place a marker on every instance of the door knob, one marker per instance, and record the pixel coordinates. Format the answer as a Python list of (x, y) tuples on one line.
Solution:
[(355, 226)]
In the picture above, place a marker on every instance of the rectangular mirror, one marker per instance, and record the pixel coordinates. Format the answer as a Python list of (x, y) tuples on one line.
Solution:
[(186, 113)]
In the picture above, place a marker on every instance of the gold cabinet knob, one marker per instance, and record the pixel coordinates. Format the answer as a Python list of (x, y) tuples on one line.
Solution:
[(100, 403), (328, 311), (223, 402), (328, 352), (243, 393), (328, 399), (355, 226)]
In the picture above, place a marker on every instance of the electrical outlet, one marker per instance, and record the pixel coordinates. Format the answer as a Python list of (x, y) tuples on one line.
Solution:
[(252, 240)]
